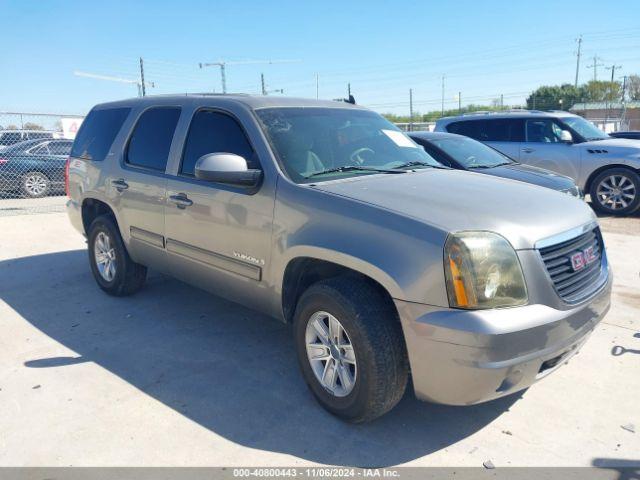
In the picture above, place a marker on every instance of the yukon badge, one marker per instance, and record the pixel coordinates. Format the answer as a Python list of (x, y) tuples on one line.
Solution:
[(248, 258)]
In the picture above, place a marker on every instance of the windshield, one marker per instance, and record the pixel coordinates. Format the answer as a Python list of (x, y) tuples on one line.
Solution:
[(319, 144), (470, 153), (585, 128)]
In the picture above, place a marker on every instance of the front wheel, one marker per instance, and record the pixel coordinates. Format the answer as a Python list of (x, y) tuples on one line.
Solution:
[(350, 348), (616, 192)]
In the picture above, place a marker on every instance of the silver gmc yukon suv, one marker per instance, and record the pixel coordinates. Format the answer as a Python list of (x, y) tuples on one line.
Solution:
[(326, 216)]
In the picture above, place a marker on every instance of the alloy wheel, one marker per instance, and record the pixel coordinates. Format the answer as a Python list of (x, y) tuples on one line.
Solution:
[(105, 256), (331, 354), (35, 184), (616, 192)]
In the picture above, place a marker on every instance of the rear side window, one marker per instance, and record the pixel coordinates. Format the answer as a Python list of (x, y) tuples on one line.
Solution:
[(497, 130), (215, 132), (97, 133), (151, 139)]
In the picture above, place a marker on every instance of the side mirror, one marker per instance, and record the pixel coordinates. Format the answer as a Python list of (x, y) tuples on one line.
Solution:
[(566, 137), (226, 168)]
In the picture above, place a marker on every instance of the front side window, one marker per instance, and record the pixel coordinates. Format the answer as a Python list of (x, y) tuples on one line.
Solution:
[(543, 130), (98, 132), (151, 139), (318, 144), (215, 132), (470, 153)]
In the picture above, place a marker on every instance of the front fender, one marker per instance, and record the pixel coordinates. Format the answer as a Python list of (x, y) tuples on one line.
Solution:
[(402, 254)]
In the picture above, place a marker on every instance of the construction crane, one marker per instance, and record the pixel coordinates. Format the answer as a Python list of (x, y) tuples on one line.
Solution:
[(114, 79), (223, 66)]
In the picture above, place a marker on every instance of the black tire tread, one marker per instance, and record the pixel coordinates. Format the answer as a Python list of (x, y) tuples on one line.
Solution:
[(384, 340), (612, 171), (134, 275)]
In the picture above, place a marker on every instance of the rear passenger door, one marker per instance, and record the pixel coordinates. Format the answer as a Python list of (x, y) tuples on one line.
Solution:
[(138, 184), (218, 235), (503, 134)]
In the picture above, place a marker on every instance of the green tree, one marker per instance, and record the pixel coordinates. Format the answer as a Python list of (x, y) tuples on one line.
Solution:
[(555, 97), (603, 91)]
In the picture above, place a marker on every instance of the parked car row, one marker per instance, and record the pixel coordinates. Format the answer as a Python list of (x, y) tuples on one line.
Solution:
[(392, 268), (603, 166), (11, 137), (34, 168)]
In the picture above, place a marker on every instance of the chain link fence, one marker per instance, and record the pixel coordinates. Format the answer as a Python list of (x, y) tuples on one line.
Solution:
[(33, 151)]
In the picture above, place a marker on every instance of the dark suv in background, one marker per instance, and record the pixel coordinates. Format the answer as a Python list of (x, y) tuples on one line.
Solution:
[(605, 167)]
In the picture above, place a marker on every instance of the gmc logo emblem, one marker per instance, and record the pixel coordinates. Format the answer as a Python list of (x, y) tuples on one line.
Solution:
[(581, 259)]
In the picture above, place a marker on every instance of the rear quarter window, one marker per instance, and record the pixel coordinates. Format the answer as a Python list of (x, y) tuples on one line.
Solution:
[(490, 130), (97, 133)]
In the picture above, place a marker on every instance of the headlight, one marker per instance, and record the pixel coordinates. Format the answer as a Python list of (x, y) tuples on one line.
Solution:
[(482, 271)]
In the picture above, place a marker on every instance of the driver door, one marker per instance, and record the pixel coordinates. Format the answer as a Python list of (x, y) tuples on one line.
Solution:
[(218, 236), (543, 148)]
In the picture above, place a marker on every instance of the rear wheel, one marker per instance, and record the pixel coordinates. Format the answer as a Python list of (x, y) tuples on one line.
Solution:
[(616, 191), (35, 184), (113, 269), (350, 348)]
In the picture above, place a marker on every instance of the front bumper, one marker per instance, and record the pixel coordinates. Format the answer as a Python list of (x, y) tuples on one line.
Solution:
[(463, 357)]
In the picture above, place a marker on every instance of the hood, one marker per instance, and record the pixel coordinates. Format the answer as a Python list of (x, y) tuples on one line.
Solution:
[(529, 174), (455, 200), (613, 142)]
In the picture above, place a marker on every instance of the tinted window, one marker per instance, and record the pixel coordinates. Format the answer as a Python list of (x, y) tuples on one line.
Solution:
[(543, 130), (213, 132), (10, 138), (496, 130), (97, 133), (36, 135), (42, 149), (151, 140)]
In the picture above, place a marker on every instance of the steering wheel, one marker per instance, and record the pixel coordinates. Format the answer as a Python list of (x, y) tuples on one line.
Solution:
[(356, 158)]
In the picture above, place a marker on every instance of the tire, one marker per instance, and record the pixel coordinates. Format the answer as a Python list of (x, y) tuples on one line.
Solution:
[(616, 191), (372, 328), (35, 184), (127, 276)]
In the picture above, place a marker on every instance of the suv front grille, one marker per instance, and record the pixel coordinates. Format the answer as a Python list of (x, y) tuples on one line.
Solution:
[(571, 284)]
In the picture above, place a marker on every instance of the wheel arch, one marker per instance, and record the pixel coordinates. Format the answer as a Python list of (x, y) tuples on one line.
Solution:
[(604, 168), (92, 208), (304, 270)]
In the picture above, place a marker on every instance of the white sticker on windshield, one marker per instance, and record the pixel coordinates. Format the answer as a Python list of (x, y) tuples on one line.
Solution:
[(399, 138)]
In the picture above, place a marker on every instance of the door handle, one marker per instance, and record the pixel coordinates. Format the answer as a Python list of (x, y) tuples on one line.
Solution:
[(120, 184), (181, 200), (528, 150)]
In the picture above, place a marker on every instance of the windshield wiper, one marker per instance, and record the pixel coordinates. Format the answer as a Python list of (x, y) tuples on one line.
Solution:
[(349, 168), (418, 164), (489, 166)]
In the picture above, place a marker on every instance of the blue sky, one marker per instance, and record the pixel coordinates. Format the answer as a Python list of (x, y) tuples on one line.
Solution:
[(383, 48)]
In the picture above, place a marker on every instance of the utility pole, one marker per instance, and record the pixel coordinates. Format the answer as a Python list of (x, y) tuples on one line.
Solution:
[(410, 109), (595, 66), (579, 40), (223, 67), (501, 101), (443, 95), (613, 70), (264, 90), (459, 102), (144, 92), (624, 88), (317, 86), (349, 90)]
